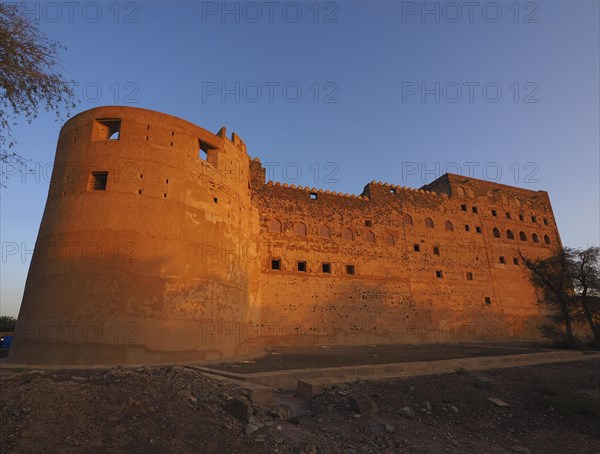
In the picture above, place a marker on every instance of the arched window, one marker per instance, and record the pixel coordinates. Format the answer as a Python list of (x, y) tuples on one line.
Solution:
[(522, 236), (348, 234), (429, 223), (496, 233), (324, 231), (510, 235), (370, 237), (275, 226), (535, 238), (299, 229), (408, 219), (460, 191), (470, 193), (389, 239), (546, 239), (449, 226)]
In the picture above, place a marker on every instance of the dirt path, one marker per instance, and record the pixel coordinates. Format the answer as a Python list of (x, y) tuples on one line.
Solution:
[(553, 408)]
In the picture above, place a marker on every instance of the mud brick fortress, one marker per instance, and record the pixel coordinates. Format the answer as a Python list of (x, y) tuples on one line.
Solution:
[(162, 241)]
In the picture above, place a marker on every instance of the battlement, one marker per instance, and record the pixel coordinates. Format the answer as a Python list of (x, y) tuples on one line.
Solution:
[(196, 253)]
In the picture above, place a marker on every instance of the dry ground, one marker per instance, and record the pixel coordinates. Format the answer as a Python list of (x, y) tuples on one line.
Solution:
[(553, 408)]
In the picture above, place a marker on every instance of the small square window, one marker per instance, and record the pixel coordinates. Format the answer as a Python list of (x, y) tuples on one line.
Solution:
[(467, 228), (439, 274), (313, 196), (107, 129), (469, 276), (368, 223), (488, 300), (350, 269), (276, 264), (478, 229), (533, 219), (301, 266), (98, 181), (326, 267), (508, 215), (545, 221), (494, 213), (515, 261), (463, 207), (436, 250), (416, 247), (502, 259), (392, 191), (474, 209), (521, 217)]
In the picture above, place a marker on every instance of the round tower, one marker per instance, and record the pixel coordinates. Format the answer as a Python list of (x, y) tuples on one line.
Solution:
[(144, 247)]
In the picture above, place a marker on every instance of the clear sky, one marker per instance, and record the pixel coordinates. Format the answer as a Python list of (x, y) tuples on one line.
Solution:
[(336, 94)]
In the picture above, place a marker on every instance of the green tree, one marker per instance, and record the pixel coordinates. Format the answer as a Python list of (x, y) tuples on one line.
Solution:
[(30, 77), (7, 323)]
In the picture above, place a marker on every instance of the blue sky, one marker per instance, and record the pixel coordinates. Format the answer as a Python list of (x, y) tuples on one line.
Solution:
[(336, 94)]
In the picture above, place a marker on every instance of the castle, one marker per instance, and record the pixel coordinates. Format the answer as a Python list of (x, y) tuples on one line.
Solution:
[(162, 241)]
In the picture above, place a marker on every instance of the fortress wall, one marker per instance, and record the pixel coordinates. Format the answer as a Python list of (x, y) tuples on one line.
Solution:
[(130, 272), (395, 295), (167, 244)]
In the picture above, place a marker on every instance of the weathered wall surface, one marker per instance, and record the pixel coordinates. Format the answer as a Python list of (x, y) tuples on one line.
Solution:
[(398, 293), (131, 273), (166, 243)]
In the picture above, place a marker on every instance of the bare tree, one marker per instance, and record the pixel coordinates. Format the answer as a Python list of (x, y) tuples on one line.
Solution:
[(586, 283), (570, 281), (552, 276), (30, 77)]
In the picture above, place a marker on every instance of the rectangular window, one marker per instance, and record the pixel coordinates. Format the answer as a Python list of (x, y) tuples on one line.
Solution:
[(392, 191), (276, 264), (521, 217), (467, 228), (436, 250), (416, 248), (350, 269), (469, 276), (474, 209), (515, 261), (494, 213), (488, 300), (478, 229), (107, 129), (502, 259), (368, 223), (545, 221), (463, 207), (313, 196), (508, 215), (301, 267), (98, 181), (326, 267), (439, 274), (533, 219)]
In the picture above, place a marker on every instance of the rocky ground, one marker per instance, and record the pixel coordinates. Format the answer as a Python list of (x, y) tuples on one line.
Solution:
[(550, 408)]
